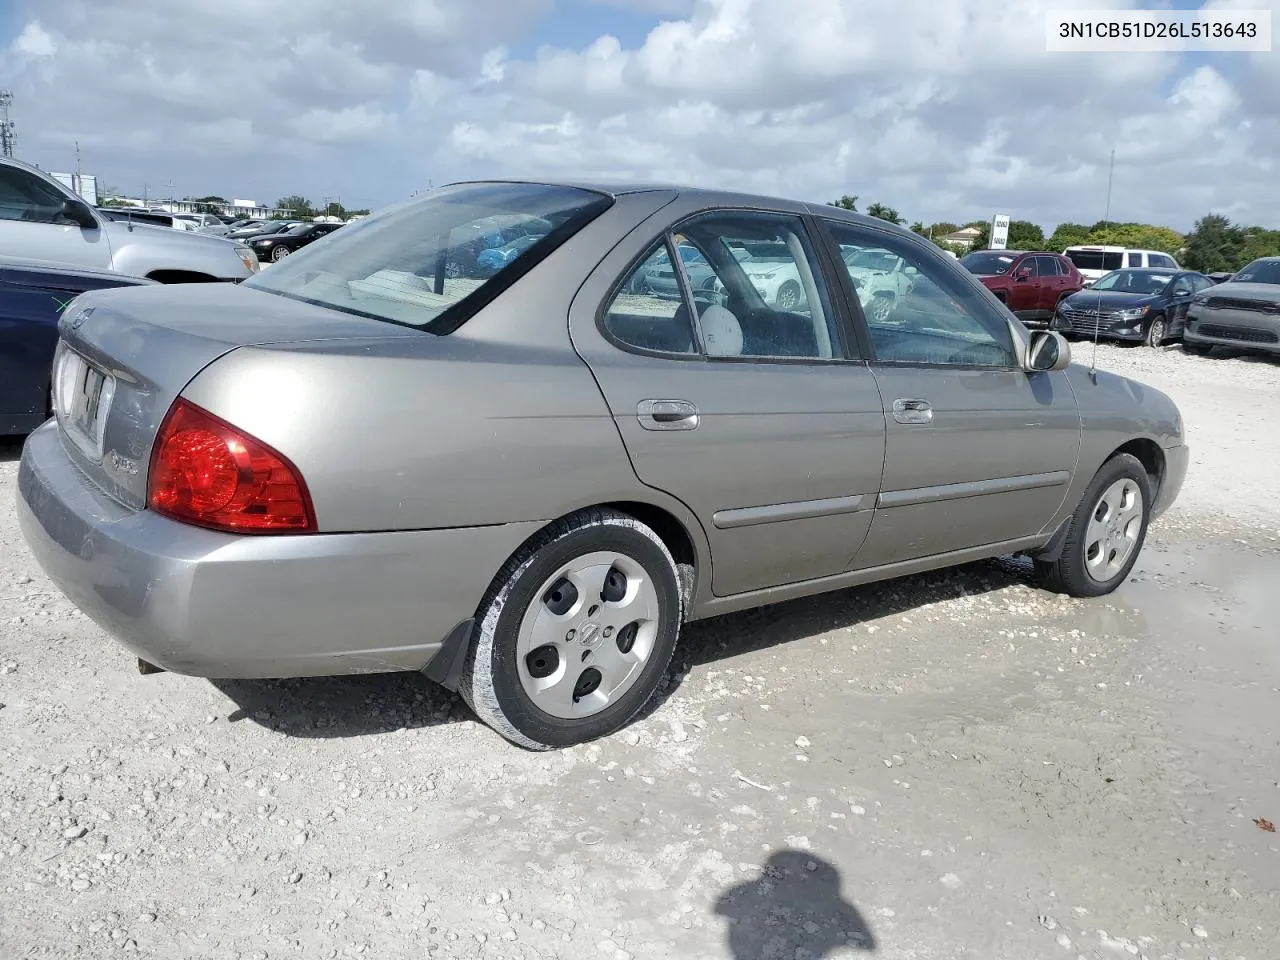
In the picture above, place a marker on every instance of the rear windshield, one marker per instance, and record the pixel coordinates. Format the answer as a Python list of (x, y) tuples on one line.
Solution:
[(987, 264), (1260, 271), (1095, 259), (419, 264)]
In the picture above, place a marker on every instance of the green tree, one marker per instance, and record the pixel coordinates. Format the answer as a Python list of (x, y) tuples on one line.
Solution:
[(297, 207), (881, 212), (846, 202), (1025, 235), (1145, 236), (1213, 244), (1258, 243), (1067, 235)]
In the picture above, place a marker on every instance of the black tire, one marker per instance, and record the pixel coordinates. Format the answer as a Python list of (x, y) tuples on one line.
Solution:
[(1068, 574), (1196, 349), (1157, 334), (279, 253), (491, 683)]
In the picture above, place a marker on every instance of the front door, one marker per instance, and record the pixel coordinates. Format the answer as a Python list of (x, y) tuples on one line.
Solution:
[(740, 398), (32, 225), (977, 451)]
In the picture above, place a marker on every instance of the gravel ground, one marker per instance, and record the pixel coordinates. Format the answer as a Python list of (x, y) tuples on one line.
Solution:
[(949, 766)]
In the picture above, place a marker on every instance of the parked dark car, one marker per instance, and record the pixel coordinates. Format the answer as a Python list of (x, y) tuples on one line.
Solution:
[(260, 228), (1243, 312), (277, 246), (492, 260), (1148, 306), (33, 294), (1031, 283)]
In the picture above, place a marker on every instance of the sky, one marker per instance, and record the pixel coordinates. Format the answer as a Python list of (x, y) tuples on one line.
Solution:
[(947, 110)]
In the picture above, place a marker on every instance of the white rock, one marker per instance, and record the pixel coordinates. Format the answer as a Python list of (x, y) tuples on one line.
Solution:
[(1199, 931), (1064, 941), (802, 743), (952, 881), (74, 833)]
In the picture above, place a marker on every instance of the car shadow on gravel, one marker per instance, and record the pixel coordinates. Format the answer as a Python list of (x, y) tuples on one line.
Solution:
[(360, 706), (10, 449), (794, 908)]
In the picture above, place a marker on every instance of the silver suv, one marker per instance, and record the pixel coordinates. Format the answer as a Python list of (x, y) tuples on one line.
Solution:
[(41, 220)]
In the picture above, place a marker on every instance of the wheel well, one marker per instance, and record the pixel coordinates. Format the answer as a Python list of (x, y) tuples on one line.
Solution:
[(1149, 454), (179, 276), (672, 533)]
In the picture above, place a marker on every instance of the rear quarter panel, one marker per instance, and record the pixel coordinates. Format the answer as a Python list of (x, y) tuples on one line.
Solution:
[(498, 422)]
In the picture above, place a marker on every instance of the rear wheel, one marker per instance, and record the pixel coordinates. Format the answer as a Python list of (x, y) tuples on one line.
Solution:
[(1106, 532), (575, 633)]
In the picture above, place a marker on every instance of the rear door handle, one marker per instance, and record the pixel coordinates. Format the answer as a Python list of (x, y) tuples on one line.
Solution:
[(912, 411), (667, 414)]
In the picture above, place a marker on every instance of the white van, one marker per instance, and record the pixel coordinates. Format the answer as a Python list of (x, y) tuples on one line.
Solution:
[(1095, 261)]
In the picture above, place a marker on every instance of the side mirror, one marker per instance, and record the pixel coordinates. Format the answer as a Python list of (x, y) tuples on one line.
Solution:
[(1023, 274), (78, 213), (1048, 352), (1182, 292)]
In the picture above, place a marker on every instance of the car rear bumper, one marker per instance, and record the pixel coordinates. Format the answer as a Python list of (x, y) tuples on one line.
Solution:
[(210, 604)]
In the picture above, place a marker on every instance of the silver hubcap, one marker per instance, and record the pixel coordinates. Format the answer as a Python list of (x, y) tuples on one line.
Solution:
[(788, 297), (1157, 333), (279, 253), (1113, 530), (588, 634), (880, 309)]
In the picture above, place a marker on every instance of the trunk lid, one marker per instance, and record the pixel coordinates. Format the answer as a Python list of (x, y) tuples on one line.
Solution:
[(124, 356)]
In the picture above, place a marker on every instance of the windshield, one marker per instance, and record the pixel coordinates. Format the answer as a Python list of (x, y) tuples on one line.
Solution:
[(1145, 282), (412, 263), (987, 264), (1096, 259), (1260, 271)]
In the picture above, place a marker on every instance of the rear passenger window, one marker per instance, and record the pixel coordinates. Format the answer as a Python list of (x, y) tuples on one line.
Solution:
[(648, 311), (1160, 260), (1135, 260)]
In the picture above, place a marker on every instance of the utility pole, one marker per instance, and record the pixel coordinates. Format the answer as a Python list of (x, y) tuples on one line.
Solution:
[(77, 143), (6, 125)]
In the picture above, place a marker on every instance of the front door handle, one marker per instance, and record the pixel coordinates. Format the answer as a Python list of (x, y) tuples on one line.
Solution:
[(912, 411), (667, 414)]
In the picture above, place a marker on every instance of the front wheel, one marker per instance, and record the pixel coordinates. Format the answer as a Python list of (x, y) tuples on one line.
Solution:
[(1106, 532), (1156, 332), (575, 633), (788, 295), (279, 253)]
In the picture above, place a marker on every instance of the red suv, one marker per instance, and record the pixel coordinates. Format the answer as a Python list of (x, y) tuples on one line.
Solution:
[(1029, 283)]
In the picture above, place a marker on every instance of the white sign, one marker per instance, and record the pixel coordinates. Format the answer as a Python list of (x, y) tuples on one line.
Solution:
[(999, 232)]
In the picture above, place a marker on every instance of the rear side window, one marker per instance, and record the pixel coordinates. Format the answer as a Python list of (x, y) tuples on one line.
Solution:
[(1135, 259), (1160, 260), (1096, 259), (428, 263), (648, 311), (1046, 266)]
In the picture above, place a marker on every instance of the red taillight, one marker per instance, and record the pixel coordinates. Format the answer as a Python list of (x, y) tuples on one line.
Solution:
[(205, 471)]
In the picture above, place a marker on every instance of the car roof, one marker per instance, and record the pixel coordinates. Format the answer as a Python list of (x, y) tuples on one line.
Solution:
[(704, 196), (67, 269)]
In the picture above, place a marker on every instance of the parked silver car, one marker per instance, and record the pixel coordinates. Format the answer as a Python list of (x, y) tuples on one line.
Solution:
[(40, 219), (1242, 312), (523, 485)]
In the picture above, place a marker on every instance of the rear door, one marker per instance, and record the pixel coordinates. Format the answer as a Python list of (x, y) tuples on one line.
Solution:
[(978, 451), (1024, 293), (761, 420), (31, 224)]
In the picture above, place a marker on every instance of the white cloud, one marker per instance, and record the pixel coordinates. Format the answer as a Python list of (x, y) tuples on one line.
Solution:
[(943, 110), (33, 42)]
